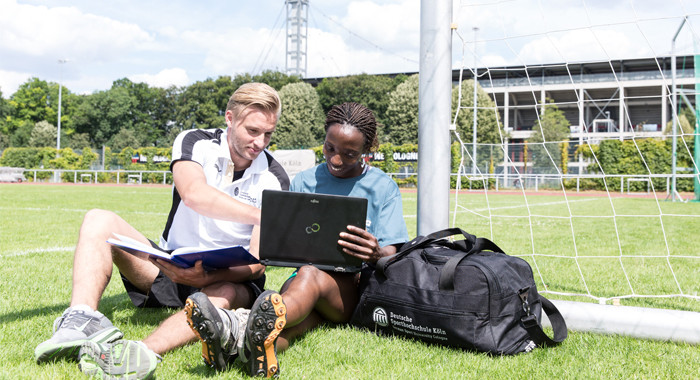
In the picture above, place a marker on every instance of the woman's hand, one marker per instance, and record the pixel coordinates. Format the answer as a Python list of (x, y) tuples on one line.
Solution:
[(362, 244)]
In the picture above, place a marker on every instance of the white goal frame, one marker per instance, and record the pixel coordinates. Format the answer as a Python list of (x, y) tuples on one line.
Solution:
[(602, 318)]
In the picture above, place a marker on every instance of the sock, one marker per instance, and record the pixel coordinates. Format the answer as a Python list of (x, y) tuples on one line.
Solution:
[(228, 326), (84, 308)]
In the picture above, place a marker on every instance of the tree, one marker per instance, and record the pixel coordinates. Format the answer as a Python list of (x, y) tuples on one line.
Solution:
[(203, 104), (31, 102), (5, 112), (301, 122), (123, 139), (402, 113), (488, 128), (77, 141), (103, 114), (551, 130), (22, 134), (4, 141), (151, 111), (690, 115), (276, 79), (43, 134), (686, 125), (487, 123)]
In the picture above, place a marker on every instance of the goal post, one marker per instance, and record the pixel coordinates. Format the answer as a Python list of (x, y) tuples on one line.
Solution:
[(434, 94), (696, 152), (618, 260), (638, 322)]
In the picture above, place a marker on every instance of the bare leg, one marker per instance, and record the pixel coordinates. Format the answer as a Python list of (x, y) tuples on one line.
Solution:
[(296, 331), (93, 258), (174, 331), (313, 296)]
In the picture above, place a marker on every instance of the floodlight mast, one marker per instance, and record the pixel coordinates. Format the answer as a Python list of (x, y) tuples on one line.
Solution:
[(297, 31), (674, 108), (58, 134)]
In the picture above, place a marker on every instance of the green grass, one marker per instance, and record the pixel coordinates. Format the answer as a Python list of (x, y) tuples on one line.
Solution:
[(39, 226)]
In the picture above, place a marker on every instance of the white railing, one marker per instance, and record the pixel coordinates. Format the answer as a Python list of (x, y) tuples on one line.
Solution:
[(536, 182), (92, 176), (497, 182)]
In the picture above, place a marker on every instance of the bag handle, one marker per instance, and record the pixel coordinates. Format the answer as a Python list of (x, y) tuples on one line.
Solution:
[(422, 241), (535, 330), (447, 273)]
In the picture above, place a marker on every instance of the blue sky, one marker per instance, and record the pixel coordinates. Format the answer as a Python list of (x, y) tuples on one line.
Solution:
[(179, 42)]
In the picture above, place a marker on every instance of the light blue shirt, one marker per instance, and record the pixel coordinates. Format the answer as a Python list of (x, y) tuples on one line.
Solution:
[(384, 208)]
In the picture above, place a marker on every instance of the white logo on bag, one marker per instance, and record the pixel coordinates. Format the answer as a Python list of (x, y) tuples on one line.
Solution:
[(379, 317), (530, 346)]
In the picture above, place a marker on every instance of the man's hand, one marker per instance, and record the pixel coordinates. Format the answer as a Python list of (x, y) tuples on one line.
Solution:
[(363, 245), (195, 276)]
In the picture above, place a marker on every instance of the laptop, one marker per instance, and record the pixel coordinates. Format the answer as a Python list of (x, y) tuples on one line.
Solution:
[(299, 229)]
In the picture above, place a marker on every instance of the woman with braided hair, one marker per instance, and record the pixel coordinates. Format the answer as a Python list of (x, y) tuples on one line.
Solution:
[(311, 296)]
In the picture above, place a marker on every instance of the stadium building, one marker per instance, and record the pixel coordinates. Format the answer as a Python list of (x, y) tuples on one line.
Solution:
[(601, 100), (628, 98)]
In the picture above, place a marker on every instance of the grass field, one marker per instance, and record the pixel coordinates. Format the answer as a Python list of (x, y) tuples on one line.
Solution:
[(38, 231), (596, 246)]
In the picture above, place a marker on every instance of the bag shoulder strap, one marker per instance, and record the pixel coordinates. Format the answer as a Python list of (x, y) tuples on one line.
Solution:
[(447, 273), (422, 241), (535, 330)]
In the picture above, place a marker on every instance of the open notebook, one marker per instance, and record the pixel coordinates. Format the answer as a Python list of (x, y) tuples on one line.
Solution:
[(302, 228)]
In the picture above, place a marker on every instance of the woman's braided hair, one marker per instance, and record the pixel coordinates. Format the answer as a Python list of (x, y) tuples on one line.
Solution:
[(358, 116)]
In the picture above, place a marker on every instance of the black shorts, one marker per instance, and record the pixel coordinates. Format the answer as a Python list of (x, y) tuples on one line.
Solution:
[(166, 293)]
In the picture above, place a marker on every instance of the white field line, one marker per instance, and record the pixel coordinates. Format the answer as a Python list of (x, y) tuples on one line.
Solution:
[(38, 250), (60, 249), (80, 210), (530, 205)]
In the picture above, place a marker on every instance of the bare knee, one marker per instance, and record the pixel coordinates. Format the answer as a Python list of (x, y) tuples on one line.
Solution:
[(307, 283), (97, 222), (99, 225), (99, 216), (229, 295), (96, 228), (309, 276)]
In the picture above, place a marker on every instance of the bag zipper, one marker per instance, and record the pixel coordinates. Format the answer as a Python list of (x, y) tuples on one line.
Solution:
[(414, 306)]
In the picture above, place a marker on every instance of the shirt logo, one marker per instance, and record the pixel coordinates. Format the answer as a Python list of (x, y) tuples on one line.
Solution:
[(235, 191)]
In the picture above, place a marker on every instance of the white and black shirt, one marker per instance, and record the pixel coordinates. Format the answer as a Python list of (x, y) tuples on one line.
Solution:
[(209, 148)]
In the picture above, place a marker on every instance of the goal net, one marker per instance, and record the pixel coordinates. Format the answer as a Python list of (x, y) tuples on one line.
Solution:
[(583, 160)]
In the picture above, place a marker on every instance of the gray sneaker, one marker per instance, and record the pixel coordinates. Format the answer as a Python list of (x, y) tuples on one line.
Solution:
[(123, 359), (220, 330), (73, 328)]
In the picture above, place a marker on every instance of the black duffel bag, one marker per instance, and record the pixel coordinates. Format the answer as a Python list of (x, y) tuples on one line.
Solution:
[(463, 293)]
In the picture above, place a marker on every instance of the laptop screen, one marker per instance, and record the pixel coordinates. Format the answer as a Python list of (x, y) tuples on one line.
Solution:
[(302, 228)]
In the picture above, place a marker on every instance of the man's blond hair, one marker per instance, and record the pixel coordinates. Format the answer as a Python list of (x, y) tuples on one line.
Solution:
[(256, 95)]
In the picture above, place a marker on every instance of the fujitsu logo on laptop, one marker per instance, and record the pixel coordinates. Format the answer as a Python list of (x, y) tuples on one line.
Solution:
[(313, 228), (314, 201)]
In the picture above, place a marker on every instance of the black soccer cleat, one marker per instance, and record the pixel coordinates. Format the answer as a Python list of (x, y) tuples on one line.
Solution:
[(266, 321)]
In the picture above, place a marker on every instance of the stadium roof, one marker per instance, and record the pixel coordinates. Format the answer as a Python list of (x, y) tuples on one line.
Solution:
[(566, 69)]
